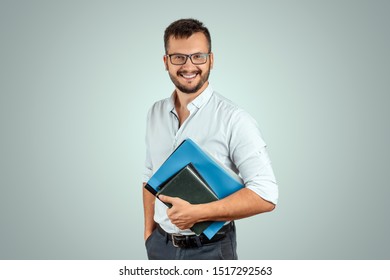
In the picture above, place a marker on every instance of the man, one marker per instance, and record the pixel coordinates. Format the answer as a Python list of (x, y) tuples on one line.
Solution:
[(195, 111)]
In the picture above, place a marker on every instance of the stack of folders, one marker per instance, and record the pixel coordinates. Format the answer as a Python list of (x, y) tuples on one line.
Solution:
[(188, 185), (187, 157)]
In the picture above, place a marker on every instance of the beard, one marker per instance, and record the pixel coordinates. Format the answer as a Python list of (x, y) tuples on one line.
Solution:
[(190, 88)]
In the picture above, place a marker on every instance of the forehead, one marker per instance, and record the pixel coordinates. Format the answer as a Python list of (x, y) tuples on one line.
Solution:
[(197, 42)]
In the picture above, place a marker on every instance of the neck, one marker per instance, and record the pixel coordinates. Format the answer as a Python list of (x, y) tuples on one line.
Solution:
[(183, 99), (181, 102)]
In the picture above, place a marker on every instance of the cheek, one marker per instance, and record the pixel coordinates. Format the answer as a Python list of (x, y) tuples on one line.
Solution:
[(206, 69)]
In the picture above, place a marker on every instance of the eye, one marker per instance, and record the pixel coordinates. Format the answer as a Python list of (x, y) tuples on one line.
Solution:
[(178, 57), (198, 56)]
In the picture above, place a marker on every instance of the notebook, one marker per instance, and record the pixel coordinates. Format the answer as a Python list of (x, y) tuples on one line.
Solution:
[(188, 185), (221, 180)]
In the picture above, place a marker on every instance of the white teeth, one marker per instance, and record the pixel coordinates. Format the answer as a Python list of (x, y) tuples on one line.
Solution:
[(189, 76)]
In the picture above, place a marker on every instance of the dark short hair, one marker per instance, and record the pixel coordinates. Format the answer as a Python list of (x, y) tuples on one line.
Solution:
[(184, 28)]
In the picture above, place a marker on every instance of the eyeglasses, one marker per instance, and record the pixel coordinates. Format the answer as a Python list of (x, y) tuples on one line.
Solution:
[(181, 59)]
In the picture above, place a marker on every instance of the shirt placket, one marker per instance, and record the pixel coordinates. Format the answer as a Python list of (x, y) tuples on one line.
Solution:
[(180, 130)]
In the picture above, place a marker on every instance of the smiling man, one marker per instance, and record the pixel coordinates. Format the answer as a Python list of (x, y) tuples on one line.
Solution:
[(191, 79), (196, 111)]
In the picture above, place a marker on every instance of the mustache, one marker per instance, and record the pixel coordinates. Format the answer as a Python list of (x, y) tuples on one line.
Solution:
[(185, 72)]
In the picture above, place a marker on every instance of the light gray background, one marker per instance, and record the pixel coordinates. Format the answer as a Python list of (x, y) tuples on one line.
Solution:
[(76, 80)]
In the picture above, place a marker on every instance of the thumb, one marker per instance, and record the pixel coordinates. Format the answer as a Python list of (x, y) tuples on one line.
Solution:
[(165, 198)]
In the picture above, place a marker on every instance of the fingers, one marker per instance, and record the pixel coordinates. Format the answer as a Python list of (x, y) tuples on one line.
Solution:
[(179, 213)]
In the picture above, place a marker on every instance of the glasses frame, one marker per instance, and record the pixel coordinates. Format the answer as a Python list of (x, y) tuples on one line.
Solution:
[(188, 56)]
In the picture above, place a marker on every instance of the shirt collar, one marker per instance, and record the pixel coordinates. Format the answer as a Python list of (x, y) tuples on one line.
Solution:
[(198, 102)]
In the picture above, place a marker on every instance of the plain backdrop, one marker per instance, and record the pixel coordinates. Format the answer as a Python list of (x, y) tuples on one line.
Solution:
[(76, 81)]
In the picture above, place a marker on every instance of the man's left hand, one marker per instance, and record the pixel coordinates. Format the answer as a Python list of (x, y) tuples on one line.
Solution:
[(182, 214)]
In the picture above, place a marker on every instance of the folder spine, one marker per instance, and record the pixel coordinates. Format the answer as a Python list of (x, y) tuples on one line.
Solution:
[(151, 189)]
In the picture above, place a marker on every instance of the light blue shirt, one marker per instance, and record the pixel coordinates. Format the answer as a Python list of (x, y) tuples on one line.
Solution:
[(223, 130)]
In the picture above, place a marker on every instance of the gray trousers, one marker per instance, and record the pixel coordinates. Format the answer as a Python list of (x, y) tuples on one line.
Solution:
[(158, 247)]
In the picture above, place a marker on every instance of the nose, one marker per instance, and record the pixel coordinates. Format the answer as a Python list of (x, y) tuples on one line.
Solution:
[(188, 63)]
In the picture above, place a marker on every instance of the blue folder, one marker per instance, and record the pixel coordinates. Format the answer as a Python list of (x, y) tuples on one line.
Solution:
[(222, 182)]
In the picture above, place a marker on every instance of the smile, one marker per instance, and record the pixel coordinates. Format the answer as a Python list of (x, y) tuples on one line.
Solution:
[(188, 75)]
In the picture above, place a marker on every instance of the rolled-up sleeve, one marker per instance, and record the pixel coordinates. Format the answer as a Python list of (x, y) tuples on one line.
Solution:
[(249, 154), (148, 167)]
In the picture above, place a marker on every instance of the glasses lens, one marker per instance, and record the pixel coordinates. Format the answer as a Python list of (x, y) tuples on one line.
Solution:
[(199, 58), (178, 59)]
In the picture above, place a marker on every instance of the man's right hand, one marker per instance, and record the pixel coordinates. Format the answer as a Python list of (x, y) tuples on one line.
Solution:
[(147, 233)]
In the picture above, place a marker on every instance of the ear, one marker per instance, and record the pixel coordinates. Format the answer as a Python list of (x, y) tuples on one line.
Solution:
[(211, 57), (165, 59)]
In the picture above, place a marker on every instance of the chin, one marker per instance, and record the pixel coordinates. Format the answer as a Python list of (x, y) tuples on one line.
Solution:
[(189, 91)]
